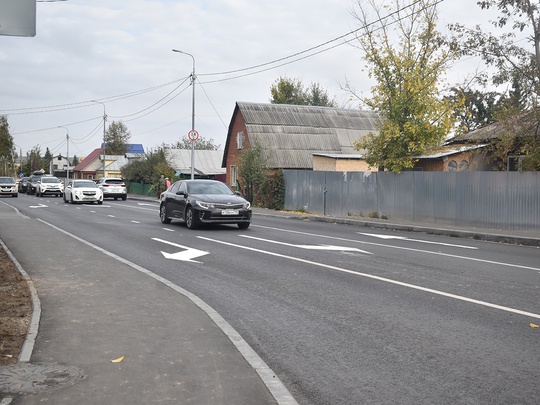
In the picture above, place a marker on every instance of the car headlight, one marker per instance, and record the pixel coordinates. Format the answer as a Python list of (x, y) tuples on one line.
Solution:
[(205, 205), (247, 205)]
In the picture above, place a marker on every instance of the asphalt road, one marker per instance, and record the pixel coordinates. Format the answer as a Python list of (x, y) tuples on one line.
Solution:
[(344, 315)]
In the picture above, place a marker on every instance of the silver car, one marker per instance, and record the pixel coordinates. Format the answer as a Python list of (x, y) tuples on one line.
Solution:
[(82, 191), (8, 186), (113, 188)]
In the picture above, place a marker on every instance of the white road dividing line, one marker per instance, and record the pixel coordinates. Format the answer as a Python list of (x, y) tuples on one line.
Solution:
[(404, 248), (383, 279)]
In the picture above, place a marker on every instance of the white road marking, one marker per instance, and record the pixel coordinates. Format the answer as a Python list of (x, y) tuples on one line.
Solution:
[(404, 248), (375, 235), (383, 279), (38, 206), (168, 230), (311, 247), (186, 255), (135, 222)]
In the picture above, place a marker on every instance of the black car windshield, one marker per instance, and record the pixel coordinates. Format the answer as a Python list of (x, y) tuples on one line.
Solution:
[(87, 184), (203, 187)]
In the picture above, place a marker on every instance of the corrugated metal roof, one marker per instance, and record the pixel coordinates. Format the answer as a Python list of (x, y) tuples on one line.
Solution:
[(448, 150), (207, 162), (292, 134)]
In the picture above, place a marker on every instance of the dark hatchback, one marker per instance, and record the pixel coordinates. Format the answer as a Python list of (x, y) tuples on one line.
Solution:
[(199, 202)]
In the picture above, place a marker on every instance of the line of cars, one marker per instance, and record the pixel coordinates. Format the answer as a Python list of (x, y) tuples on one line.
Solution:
[(76, 190)]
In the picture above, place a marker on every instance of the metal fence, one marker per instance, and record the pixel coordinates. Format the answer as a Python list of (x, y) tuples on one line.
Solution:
[(502, 200)]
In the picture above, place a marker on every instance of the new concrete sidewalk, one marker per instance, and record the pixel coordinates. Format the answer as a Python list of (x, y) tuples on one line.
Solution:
[(111, 333)]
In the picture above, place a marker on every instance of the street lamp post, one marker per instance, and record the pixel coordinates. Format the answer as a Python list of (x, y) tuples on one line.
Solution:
[(192, 112), (67, 156), (104, 123)]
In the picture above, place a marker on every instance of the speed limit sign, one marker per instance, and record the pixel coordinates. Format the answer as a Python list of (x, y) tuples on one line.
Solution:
[(193, 135)]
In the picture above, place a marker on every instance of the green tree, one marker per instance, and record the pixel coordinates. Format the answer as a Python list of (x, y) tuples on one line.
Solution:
[(33, 160), (473, 108), (149, 169), (408, 71), (75, 161), (200, 144), (252, 171), (117, 138), (46, 161), (292, 91), (515, 65), (7, 148)]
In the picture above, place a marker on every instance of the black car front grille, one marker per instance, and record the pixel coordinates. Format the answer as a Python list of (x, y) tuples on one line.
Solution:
[(229, 206), (89, 193)]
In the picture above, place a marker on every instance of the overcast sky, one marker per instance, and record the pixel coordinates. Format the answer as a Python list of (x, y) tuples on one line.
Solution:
[(119, 53)]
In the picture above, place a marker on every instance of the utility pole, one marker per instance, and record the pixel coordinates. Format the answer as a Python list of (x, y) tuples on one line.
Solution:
[(104, 124), (67, 156), (192, 112)]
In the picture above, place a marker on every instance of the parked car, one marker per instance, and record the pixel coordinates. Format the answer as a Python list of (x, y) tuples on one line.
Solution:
[(204, 201), (32, 183), (8, 186), (113, 188), (22, 184), (49, 185), (81, 191)]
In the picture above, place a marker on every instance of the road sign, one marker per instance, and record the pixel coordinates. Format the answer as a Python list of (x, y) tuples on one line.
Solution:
[(193, 135)]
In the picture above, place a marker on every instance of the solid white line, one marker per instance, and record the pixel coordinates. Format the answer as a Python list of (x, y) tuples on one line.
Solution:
[(404, 248), (393, 237), (386, 280)]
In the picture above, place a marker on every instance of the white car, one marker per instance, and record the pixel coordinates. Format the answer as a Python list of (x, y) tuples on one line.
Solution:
[(49, 185), (8, 186), (113, 188), (81, 191)]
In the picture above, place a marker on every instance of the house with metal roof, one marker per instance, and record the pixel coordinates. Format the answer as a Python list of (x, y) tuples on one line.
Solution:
[(297, 136), (207, 163), (95, 165)]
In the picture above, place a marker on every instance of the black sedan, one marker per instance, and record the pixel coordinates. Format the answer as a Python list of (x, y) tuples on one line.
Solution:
[(204, 201)]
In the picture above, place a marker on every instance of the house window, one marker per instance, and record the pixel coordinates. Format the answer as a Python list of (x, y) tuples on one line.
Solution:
[(452, 166), (515, 163), (463, 166), (239, 140), (234, 175), (55, 167)]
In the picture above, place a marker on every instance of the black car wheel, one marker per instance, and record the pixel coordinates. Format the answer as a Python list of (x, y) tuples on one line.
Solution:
[(163, 214), (191, 220), (73, 202), (124, 197), (243, 225)]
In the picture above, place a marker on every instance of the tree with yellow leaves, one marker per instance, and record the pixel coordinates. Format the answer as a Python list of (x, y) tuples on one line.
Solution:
[(406, 57)]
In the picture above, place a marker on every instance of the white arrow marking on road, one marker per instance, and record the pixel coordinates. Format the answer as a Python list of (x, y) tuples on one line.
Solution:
[(312, 247), (187, 255), (38, 206), (414, 240)]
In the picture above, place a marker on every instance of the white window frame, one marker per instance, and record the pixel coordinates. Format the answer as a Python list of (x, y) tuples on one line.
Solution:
[(234, 175), (239, 140)]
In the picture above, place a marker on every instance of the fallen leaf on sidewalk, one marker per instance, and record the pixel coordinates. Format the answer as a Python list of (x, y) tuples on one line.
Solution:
[(533, 325), (118, 360)]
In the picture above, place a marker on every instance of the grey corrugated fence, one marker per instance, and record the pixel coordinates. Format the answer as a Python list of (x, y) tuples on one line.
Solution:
[(502, 200)]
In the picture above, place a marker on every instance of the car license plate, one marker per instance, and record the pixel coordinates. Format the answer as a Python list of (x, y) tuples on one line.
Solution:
[(229, 212)]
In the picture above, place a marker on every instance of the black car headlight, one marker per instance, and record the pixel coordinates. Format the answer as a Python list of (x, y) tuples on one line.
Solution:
[(205, 205)]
